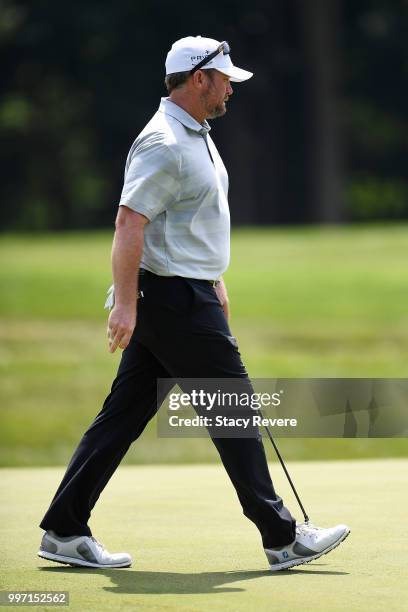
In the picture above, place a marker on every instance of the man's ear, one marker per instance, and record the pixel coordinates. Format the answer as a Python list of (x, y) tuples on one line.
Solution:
[(198, 79)]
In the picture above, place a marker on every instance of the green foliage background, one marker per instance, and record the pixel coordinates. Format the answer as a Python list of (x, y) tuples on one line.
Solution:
[(77, 87)]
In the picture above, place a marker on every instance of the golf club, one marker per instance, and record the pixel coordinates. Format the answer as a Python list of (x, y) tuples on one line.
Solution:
[(286, 471)]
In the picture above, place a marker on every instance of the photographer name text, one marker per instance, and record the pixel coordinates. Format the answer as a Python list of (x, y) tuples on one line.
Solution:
[(223, 421)]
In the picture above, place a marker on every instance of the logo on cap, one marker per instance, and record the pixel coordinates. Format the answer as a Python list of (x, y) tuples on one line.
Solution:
[(197, 58)]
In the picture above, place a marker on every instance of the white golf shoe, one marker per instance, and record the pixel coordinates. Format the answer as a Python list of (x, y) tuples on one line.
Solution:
[(83, 551), (310, 543)]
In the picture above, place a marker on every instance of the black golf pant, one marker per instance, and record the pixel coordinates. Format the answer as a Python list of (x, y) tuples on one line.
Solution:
[(181, 332)]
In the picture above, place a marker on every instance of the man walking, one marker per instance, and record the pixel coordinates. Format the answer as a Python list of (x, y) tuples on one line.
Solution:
[(170, 315)]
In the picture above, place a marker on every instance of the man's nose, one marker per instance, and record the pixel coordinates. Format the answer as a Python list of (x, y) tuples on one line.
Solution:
[(230, 91)]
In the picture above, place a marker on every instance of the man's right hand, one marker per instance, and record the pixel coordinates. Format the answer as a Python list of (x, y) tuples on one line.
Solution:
[(121, 324)]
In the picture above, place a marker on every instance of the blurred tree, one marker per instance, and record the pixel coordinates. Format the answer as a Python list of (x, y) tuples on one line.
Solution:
[(320, 24), (325, 110), (375, 111)]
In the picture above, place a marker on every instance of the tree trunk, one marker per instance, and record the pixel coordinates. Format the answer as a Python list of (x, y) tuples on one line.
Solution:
[(319, 24)]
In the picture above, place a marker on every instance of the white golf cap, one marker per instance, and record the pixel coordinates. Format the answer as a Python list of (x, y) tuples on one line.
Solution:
[(191, 50)]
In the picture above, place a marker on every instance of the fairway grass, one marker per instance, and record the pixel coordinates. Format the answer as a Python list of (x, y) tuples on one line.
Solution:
[(194, 551), (305, 302)]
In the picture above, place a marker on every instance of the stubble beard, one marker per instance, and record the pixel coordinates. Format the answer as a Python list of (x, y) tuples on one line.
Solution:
[(218, 111), (213, 110)]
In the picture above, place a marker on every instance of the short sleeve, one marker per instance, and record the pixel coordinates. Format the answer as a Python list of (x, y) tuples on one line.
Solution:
[(152, 181)]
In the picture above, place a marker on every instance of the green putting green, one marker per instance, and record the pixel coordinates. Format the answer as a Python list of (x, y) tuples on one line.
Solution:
[(193, 550)]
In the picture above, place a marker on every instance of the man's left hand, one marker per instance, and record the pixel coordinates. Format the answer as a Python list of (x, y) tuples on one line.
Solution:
[(222, 295)]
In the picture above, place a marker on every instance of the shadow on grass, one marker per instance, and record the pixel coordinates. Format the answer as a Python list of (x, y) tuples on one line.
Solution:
[(171, 583)]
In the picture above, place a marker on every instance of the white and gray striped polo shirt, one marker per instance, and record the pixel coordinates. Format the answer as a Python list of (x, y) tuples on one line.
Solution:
[(175, 177)]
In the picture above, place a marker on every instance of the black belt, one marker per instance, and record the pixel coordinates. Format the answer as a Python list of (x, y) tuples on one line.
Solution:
[(144, 272)]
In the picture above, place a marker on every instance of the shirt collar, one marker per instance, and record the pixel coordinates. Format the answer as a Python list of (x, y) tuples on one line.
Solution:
[(171, 108)]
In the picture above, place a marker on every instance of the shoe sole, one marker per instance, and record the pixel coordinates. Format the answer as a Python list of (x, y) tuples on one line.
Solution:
[(78, 562), (304, 560)]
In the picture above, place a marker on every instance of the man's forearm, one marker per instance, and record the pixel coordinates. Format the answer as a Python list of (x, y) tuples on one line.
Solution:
[(126, 254)]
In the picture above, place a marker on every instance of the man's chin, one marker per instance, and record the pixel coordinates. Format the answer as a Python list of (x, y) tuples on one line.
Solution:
[(218, 111)]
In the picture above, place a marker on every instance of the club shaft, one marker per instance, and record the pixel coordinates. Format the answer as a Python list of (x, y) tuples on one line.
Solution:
[(286, 472)]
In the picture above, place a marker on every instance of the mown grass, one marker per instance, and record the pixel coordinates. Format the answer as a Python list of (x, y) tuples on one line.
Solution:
[(193, 549), (305, 302)]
